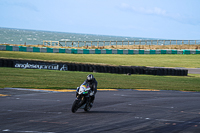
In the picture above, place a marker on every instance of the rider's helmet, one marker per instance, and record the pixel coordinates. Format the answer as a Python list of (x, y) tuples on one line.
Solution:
[(90, 78)]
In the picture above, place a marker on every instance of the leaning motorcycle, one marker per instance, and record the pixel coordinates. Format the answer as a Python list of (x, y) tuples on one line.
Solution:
[(83, 99)]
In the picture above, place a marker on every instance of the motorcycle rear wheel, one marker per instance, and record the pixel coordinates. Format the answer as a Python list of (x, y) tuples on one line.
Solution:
[(87, 108)]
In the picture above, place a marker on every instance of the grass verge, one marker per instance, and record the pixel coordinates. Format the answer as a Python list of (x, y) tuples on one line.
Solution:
[(188, 61), (50, 79)]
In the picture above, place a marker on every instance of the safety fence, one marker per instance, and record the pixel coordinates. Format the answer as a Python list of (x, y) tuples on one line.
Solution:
[(66, 66), (96, 51), (76, 43)]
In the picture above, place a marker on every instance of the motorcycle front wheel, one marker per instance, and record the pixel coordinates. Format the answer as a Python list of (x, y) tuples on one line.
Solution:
[(75, 106)]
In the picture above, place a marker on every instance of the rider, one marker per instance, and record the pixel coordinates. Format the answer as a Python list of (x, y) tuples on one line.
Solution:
[(93, 85)]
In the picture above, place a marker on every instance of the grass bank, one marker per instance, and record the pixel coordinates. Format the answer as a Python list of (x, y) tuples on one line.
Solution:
[(50, 79), (188, 61)]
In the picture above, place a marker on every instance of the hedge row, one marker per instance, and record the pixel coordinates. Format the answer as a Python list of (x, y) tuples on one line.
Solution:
[(102, 68)]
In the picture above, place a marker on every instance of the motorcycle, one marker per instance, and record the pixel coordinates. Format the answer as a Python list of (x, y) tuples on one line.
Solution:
[(83, 99)]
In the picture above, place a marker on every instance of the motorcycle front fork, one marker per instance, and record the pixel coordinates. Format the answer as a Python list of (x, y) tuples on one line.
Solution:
[(83, 101)]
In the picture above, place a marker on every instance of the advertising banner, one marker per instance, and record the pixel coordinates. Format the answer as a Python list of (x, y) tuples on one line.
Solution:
[(40, 65)]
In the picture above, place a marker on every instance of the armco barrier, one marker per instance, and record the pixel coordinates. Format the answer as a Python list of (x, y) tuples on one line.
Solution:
[(30, 64), (191, 51), (96, 51), (2, 47), (9, 48)]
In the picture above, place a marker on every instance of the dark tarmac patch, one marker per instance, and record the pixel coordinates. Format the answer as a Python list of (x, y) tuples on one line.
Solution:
[(113, 111)]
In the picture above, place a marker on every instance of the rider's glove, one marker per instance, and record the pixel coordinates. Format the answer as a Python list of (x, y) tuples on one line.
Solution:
[(92, 93)]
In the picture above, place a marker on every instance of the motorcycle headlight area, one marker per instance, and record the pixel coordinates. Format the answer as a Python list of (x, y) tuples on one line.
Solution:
[(83, 90)]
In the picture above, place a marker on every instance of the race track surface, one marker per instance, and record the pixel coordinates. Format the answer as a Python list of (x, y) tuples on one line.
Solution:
[(194, 70), (24, 111)]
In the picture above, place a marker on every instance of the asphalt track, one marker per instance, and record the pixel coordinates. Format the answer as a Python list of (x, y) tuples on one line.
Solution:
[(194, 70), (138, 111)]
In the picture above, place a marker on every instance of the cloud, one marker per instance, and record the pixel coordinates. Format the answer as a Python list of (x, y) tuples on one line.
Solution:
[(156, 11), (26, 5), (150, 11)]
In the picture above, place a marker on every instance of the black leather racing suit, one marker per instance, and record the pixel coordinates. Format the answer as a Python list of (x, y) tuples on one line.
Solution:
[(93, 86)]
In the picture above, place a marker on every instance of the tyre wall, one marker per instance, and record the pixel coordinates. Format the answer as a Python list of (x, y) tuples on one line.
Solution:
[(30, 64)]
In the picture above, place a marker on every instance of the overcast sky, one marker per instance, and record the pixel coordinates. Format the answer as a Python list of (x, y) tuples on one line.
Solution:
[(164, 19)]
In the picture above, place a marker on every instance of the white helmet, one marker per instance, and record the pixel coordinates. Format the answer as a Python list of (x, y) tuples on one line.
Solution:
[(90, 78)]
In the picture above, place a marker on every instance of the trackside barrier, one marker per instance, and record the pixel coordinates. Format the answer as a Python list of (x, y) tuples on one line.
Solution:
[(96, 51), (191, 51), (30, 64)]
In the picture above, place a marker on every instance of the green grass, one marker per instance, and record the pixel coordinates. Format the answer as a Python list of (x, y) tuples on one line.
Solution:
[(35, 78), (188, 61), (30, 78)]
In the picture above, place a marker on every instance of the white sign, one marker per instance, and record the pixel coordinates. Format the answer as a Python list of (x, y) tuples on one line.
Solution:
[(37, 66)]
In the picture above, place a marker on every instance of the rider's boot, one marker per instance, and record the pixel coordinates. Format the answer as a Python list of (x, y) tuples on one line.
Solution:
[(92, 101)]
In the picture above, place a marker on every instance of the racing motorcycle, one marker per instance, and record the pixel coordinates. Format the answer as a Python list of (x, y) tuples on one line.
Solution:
[(83, 99)]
